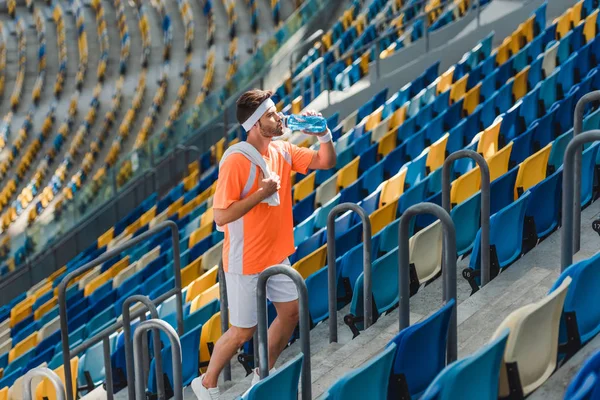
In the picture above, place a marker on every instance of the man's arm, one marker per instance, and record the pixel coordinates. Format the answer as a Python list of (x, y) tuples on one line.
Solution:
[(241, 207)]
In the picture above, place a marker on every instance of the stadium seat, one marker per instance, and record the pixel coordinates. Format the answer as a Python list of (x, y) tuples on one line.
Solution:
[(368, 381), (531, 348), (498, 163), (46, 390), (532, 170), (420, 354), (465, 186), (587, 173), (425, 249), (585, 384), (383, 216), (472, 378), (544, 206), (281, 384), (312, 262), (488, 141), (199, 285), (211, 332), (205, 297)]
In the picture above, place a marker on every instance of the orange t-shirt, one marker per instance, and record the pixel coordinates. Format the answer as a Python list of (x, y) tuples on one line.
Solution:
[(265, 235)]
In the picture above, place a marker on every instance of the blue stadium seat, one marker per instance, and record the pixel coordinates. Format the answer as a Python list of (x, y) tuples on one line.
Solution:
[(282, 384), (502, 190), (388, 238), (467, 215), (586, 384), (304, 208), (588, 161), (416, 170), (548, 89), (557, 153), (317, 286), (199, 317), (522, 148), (323, 211), (420, 354), (369, 381), (544, 206), (472, 378)]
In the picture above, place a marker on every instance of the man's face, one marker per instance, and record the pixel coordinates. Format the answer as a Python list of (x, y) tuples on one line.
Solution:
[(270, 124)]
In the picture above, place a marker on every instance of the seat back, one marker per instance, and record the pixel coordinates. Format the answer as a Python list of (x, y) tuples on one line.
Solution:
[(544, 206), (369, 381), (532, 170), (425, 250), (588, 161), (488, 141), (437, 153), (327, 190), (393, 188), (465, 186), (304, 187), (467, 216), (199, 285), (45, 390), (586, 384), (498, 163), (205, 297), (317, 286), (383, 216), (281, 385), (23, 346), (421, 352), (531, 349), (472, 378), (211, 332), (312, 262), (213, 256)]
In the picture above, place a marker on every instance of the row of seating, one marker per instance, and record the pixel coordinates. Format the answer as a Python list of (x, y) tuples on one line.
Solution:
[(58, 15), (15, 97), (40, 27)]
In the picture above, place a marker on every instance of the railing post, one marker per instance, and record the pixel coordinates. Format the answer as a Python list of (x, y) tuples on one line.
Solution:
[(46, 373), (577, 128), (160, 385), (331, 267), (568, 194), (485, 203), (224, 305), (261, 296), (138, 337), (448, 272), (62, 293)]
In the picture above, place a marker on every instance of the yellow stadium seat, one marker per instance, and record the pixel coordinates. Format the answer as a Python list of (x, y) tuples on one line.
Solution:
[(502, 51), (488, 141), (374, 119), (199, 234), (21, 311), (205, 297), (106, 237), (387, 143), (348, 174), (44, 308), (364, 63), (398, 117), (190, 272), (437, 153), (45, 390), (465, 186), (4, 393), (211, 332), (563, 24), (445, 81), (458, 89), (304, 187), (193, 167), (190, 181), (22, 347), (589, 27), (312, 262), (175, 206), (208, 217), (297, 105), (381, 217), (532, 170), (57, 273), (576, 13), (392, 188), (201, 284), (498, 163), (187, 208), (219, 149), (471, 100), (520, 84)]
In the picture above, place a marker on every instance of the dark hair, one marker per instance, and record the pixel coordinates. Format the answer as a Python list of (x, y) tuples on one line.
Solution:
[(249, 102)]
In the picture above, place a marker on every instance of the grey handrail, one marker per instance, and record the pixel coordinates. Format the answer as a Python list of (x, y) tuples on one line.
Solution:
[(448, 272), (261, 299), (485, 203), (577, 128), (331, 267), (568, 209), (160, 384), (138, 337), (224, 306), (46, 373), (62, 296)]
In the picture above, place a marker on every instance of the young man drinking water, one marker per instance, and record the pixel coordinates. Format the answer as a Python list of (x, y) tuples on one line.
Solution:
[(253, 206)]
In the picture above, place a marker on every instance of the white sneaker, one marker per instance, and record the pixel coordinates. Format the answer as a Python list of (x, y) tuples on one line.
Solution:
[(256, 377), (203, 393)]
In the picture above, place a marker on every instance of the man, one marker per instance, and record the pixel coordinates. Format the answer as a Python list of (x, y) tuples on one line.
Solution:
[(255, 211)]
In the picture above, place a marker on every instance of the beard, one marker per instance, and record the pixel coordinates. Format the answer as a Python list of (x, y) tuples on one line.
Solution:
[(275, 131)]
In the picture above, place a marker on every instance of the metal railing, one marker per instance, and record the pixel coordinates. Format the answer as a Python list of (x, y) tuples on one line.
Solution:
[(261, 299), (577, 128), (485, 203), (44, 372), (331, 267), (129, 358), (448, 272), (569, 196), (224, 307), (138, 337), (105, 333)]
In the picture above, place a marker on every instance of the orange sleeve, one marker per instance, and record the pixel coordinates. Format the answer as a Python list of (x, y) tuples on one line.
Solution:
[(301, 158), (233, 175)]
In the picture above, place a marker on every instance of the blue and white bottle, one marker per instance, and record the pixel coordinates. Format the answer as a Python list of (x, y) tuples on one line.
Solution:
[(305, 123)]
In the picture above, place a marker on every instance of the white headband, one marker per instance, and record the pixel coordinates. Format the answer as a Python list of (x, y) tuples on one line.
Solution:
[(253, 119)]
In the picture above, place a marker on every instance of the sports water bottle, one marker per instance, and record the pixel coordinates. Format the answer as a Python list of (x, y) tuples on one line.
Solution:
[(306, 123)]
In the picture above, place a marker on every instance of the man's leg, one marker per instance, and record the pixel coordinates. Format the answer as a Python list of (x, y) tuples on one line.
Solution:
[(224, 350), (282, 328)]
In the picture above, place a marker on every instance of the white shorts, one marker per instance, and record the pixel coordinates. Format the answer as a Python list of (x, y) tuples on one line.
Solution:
[(241, 295)]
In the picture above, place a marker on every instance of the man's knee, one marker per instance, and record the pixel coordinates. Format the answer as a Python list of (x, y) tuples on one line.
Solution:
[(241, 335)]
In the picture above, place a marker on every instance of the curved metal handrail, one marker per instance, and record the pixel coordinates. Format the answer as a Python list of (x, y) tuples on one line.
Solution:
[(485, 203), (46, 373), (224, 306), (568, 194), (448, 272), (138, 337), (331, 267), (129, 361), (261, 299)]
